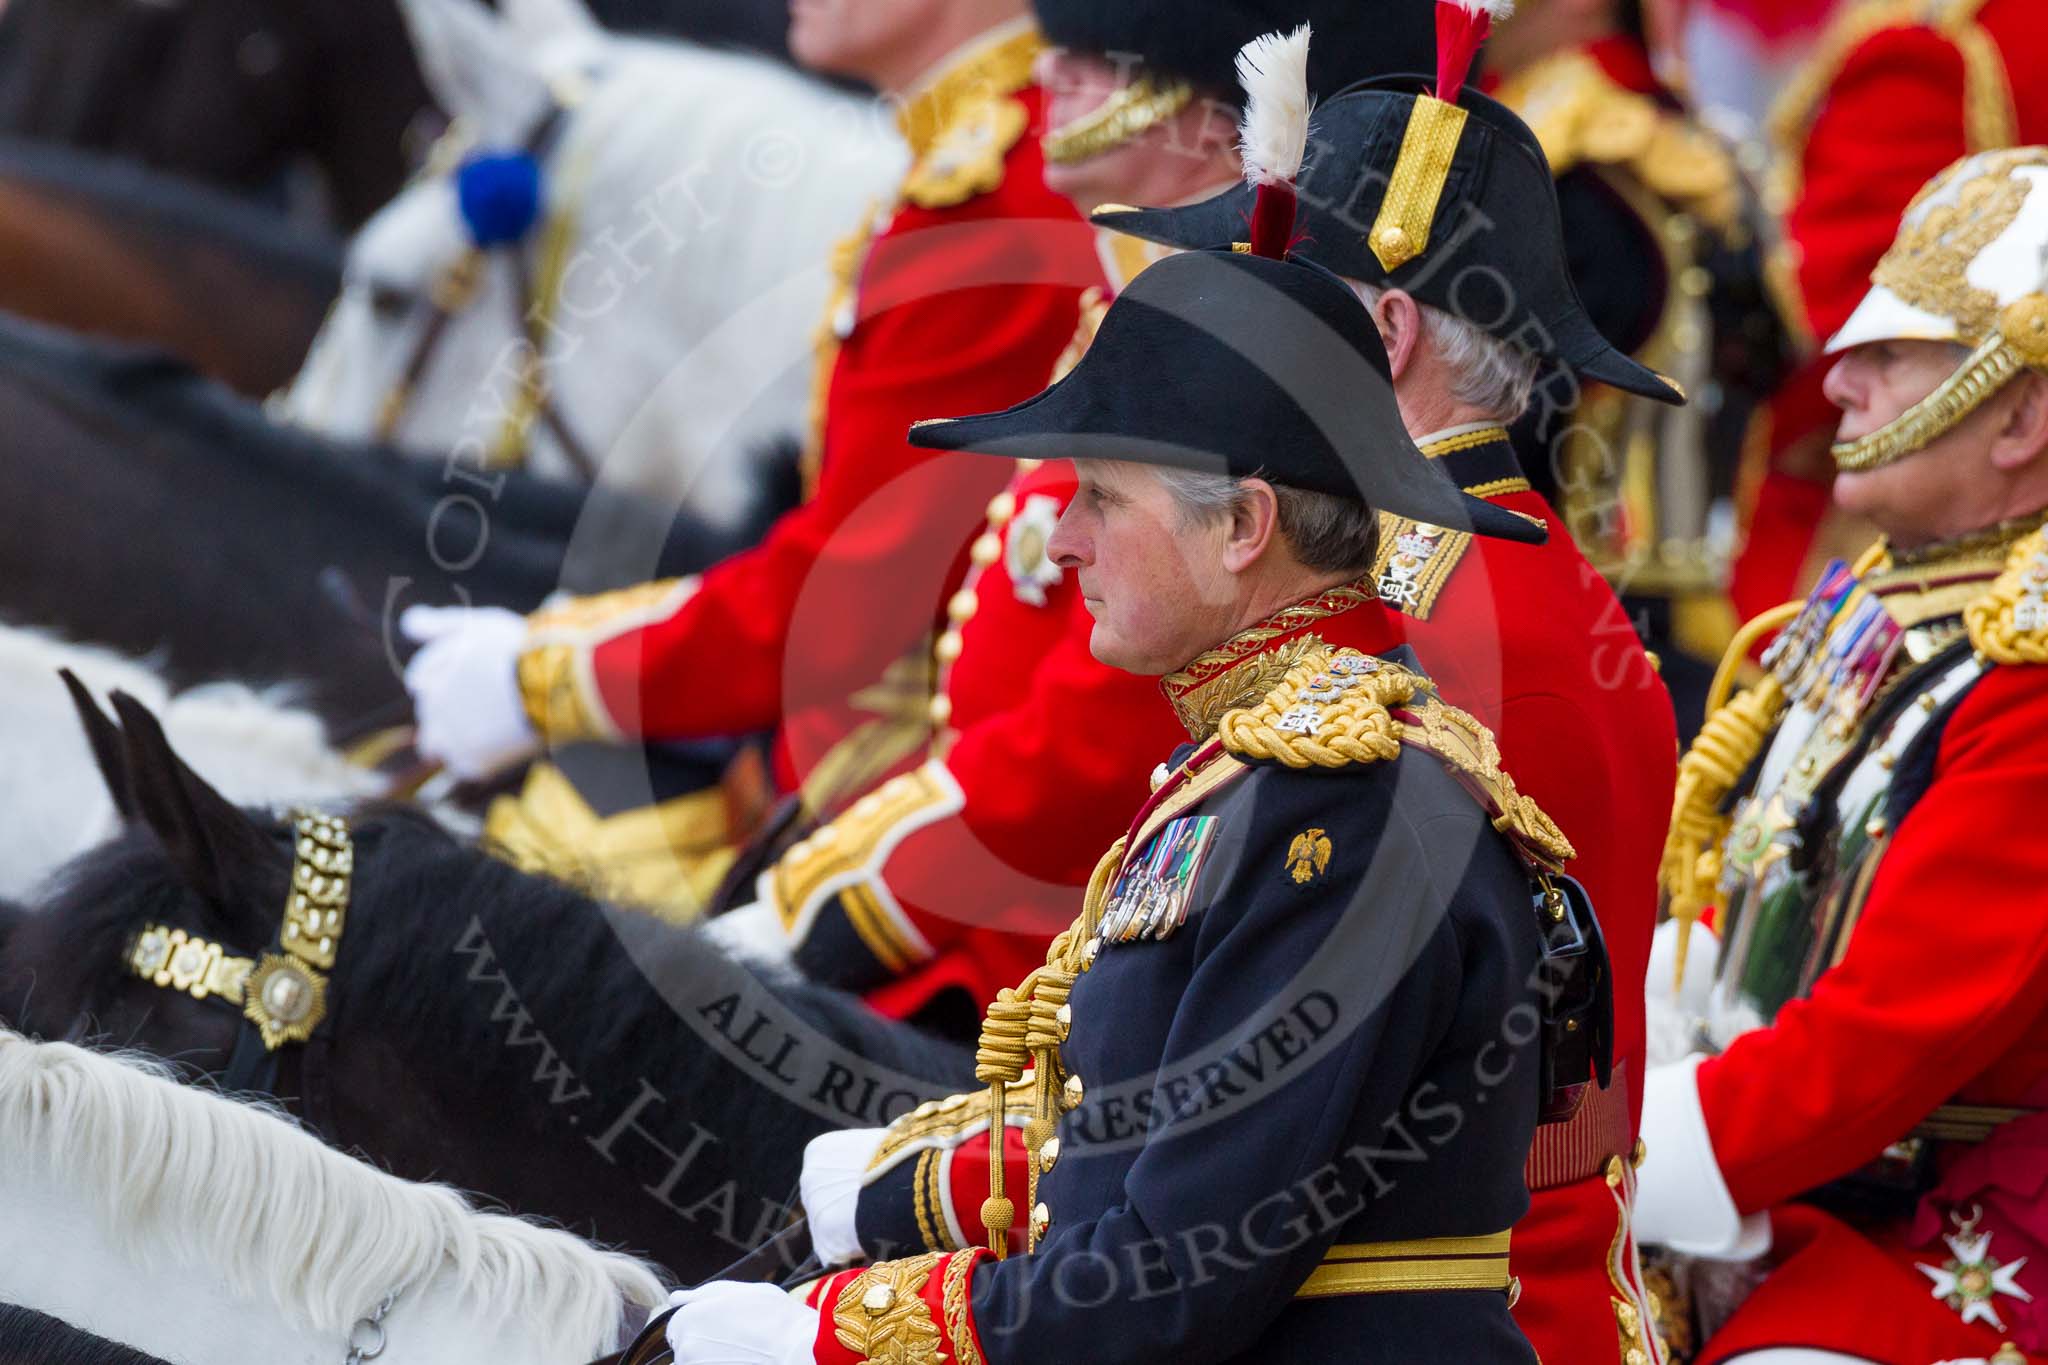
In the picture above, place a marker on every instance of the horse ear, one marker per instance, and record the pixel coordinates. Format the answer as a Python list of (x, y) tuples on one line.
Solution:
[(218, 850), (476, 67), (549, 21), (104, 736)]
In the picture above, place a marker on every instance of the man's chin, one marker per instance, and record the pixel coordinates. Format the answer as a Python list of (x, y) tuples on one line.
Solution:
[(1114, 652), (812, 39)]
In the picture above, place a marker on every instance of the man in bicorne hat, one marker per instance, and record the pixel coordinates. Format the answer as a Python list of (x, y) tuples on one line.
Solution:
[(1533, 637), (1279, 1078), (1864, 826)]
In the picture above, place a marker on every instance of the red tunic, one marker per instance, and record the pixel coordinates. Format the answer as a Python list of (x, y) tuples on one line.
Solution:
[(1937, 999), (1532, 641), (965, 297)]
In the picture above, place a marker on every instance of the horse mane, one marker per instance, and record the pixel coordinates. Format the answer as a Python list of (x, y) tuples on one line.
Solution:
[(319, 1234), (31, 1338)]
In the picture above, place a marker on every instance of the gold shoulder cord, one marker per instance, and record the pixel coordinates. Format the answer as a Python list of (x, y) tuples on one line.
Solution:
[(1025, 1027)]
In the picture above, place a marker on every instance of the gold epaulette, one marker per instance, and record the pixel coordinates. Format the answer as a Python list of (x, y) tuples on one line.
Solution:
[(1460, 741), (962, 126), (1989, 118), (2009, 623), (1581, 115), (1329, 711), (1337, 708)]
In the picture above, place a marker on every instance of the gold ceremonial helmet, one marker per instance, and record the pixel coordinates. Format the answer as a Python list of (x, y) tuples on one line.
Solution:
[(1970, 266)]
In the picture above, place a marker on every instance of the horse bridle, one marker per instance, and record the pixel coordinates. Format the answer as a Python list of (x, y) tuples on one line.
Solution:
[(455, 288), (281, 995)]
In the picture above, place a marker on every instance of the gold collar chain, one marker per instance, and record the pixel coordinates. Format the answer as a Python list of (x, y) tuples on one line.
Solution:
[(284, 993), (1989, 544)]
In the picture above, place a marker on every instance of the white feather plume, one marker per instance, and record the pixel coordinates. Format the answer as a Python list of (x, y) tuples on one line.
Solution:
[(1496, 10), (1273, 138)]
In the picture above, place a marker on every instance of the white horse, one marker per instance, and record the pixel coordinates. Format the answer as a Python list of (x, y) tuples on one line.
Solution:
[(206, 1231), (677, 273), (252, 748)]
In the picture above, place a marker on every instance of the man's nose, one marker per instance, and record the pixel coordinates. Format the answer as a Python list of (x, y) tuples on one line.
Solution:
[(1843, 385), (1068, 547)]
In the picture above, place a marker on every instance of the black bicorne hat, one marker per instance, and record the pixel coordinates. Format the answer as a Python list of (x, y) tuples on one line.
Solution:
[(1199, 43), (1493, 239), (1229, 363)]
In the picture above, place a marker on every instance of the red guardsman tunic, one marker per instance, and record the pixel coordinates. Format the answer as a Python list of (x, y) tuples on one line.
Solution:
[(1929, 1022), (1531, 640), (955, 875), (1894, 94), (960, 299)]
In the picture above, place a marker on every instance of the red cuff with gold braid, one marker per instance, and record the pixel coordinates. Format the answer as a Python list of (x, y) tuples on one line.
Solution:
[(919, 1308)]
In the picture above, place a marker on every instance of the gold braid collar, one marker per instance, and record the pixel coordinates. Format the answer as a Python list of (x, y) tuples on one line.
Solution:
[(1248, 665), (962, 126), (1334, 709)]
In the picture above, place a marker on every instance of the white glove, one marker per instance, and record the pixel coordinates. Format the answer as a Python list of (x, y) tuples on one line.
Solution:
[(1682, 1199), (752, 933), (830, 1185), (465, 688), (724, 1323), (1702, 957), (1672, 1019)]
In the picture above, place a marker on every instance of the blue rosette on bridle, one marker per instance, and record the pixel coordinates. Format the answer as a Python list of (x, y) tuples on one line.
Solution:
[(500, 194)]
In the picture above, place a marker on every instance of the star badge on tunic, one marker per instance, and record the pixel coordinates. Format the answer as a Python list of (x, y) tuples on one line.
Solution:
[(1032, 570), (1971, 1279)]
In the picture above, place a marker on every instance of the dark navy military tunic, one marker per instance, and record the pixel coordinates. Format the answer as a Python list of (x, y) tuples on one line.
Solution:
[(1337, 1045)]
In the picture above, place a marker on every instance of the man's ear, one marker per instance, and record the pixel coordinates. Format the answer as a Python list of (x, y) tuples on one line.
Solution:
[(1399, 318), (1254, 525), (2023, 435)]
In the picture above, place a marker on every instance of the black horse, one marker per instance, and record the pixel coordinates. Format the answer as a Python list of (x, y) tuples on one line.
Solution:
[(101, 245), (144, 508), (31, 1338), (485, 1027)]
